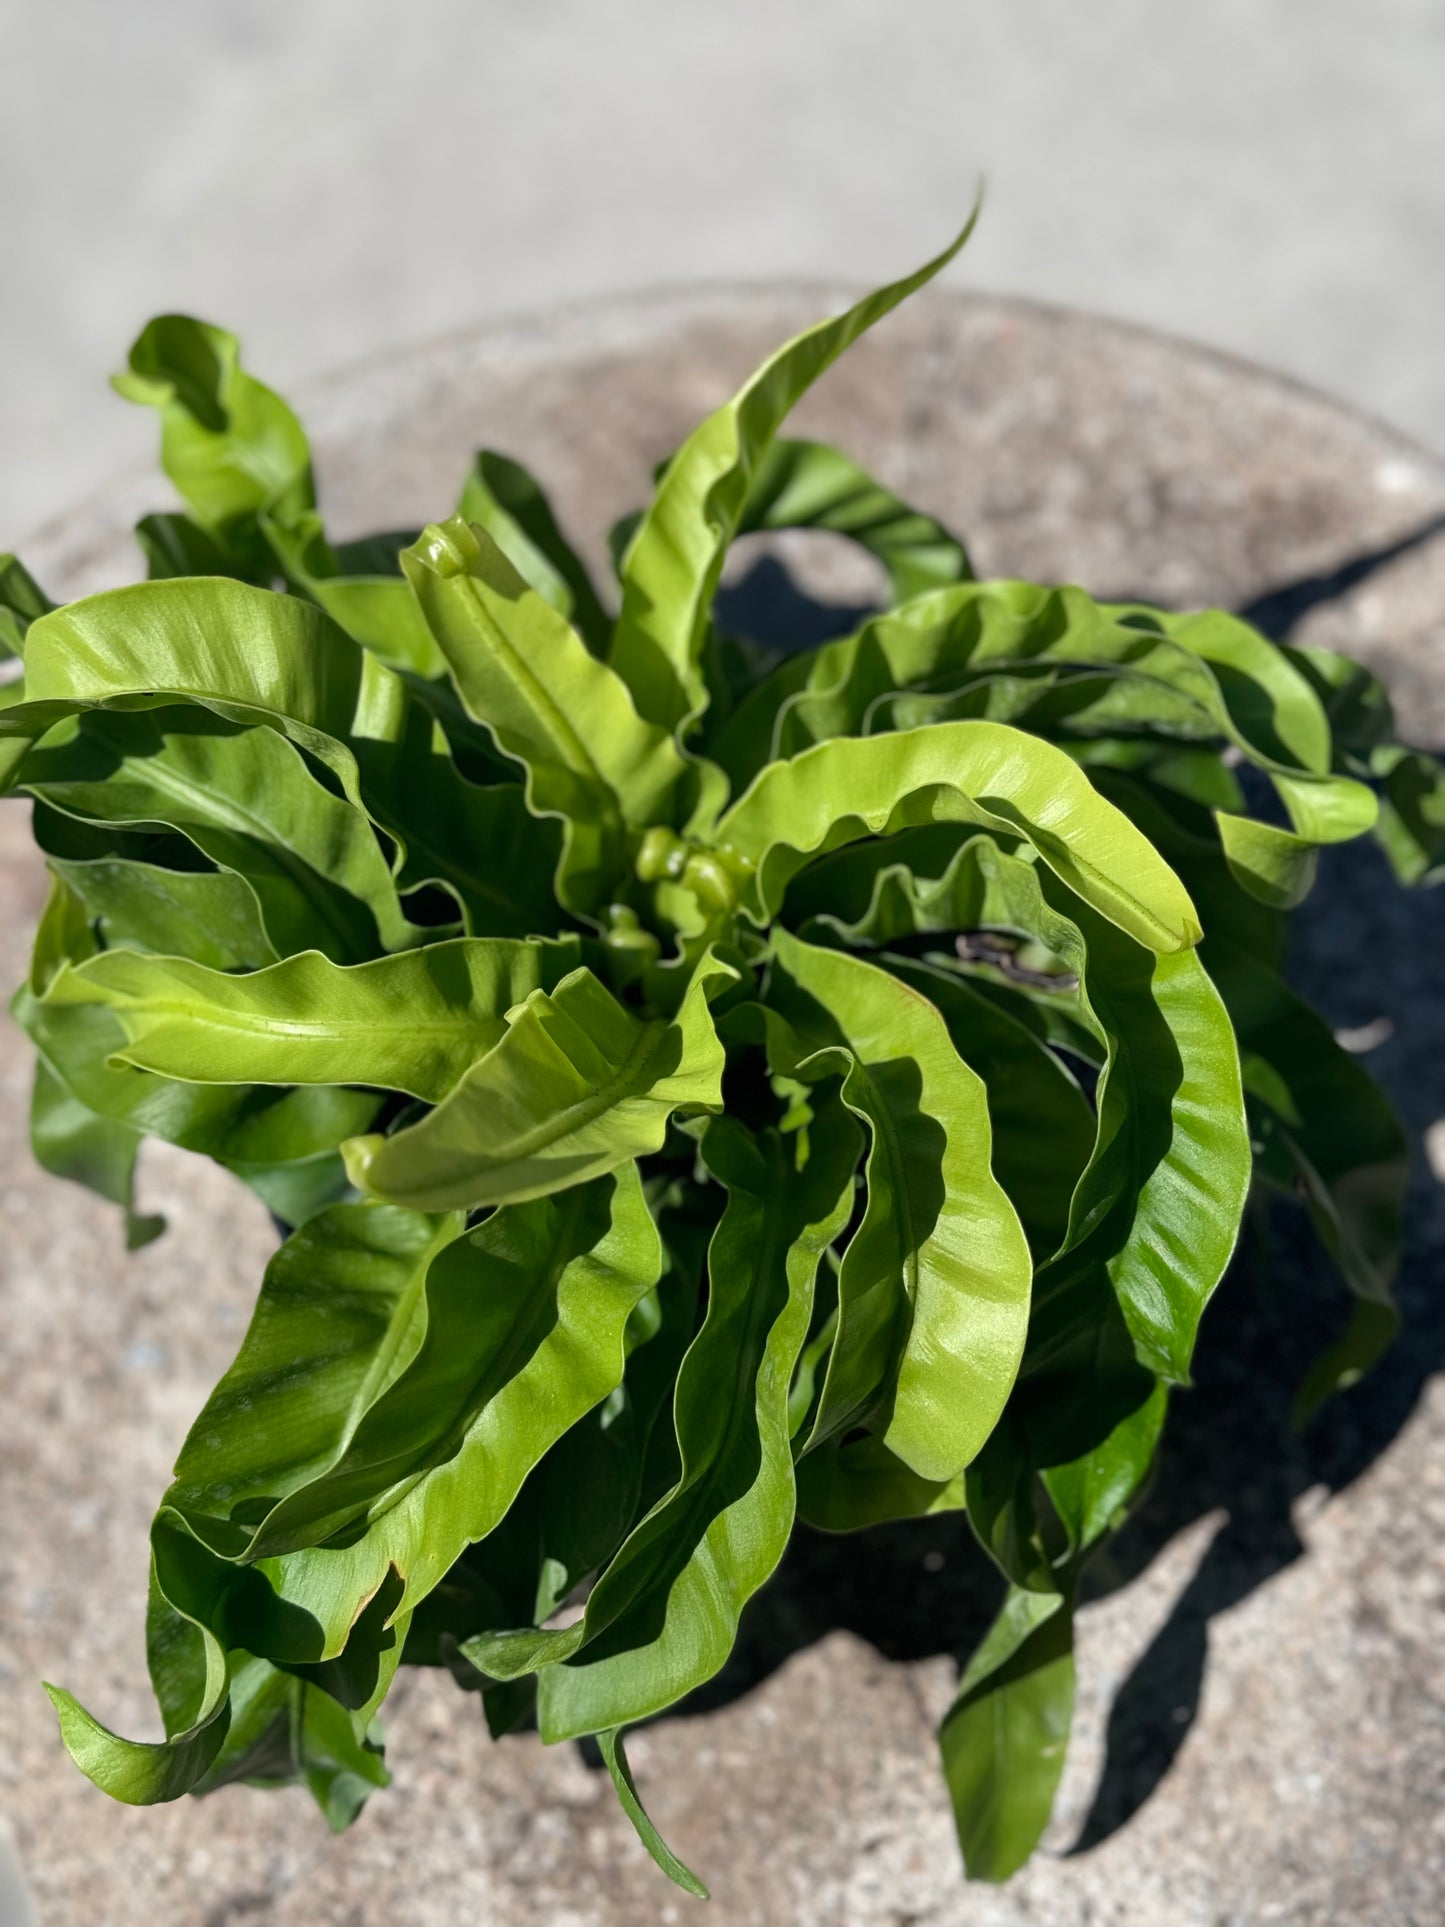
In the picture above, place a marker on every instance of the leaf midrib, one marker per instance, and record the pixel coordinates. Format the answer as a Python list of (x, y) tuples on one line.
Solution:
[(228, 814), (219, 1017), (497, 1375), (576, 1116), (574, 753)]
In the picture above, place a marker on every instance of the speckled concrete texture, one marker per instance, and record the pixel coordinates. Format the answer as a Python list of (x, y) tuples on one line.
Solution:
[(1261, 1730)]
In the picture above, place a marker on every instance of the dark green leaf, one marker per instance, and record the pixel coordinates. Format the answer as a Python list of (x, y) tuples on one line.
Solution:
[(616, 1762), (1004, 1739), (808, 485)]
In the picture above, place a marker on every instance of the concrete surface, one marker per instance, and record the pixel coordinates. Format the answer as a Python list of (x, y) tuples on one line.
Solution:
[(332, 177), (1261, 1729)]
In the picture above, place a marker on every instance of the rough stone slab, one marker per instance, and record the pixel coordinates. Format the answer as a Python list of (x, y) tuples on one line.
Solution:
[(1302, 1781)]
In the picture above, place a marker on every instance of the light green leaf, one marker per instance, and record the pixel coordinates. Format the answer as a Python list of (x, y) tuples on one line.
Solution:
[(247, 800), (1154, 1217), (415, 1022), (141, 1773), (285, 1729), (576, 1087), (340, 1316), (212, 916), (1043, 1127), (500, 496), (246, 653), (522, 670), (933, 1294), (229, 443), (283, 1143), (674, 561), (1066, 667), (378, 610), (71, 1141), (144, 1773), (1186, 834), (257, 658), (972, 772), (1275, 865), (1005, 1738)]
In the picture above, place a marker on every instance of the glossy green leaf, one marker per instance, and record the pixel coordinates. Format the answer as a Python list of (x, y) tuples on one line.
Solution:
[(247, 800), (847, 1485), (1154, 1216), (230, 1715), (71, 1141), (577, 1086), (252, 1130), (282, 1142), (664, 1615), (415, 1022), (526, 673), (500, 496), (284, 1729), (253, 657), (674, 561), (1063, 666), (145, 1773), (140, 1773), (1039, 1507), (933, 1293), (982, 773), (22, 601), (1043, 1127), (336, 1462), (378, 610), (613, 1466), (212, 916), (243, 652), (229, 443), (1186, 833)]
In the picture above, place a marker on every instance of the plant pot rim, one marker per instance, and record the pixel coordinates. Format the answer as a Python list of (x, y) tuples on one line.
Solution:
[(580, 327)]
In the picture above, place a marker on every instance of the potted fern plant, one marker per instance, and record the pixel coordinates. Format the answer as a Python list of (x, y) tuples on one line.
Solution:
[(698, 1091)]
